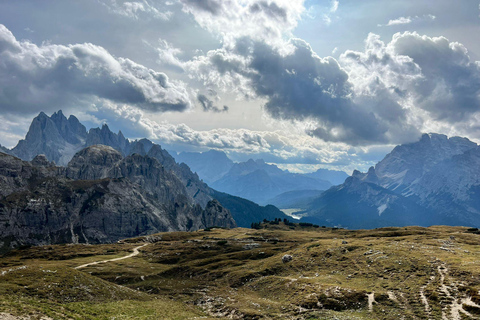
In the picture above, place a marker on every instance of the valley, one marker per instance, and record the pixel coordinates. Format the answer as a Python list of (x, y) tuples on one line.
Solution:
[(217, 273)]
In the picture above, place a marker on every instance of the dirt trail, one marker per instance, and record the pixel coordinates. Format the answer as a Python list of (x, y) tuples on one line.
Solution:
[(451, 293), (371, 300), (133, 254), (424, 299)]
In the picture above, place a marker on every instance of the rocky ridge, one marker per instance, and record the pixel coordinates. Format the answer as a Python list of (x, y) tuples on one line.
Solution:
[(99, 197)]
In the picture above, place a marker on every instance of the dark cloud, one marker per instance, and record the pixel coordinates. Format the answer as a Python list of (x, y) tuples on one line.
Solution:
[(211, 6), (47, 77), (450, 86), (271, 9), (208, 105), (302, 86)]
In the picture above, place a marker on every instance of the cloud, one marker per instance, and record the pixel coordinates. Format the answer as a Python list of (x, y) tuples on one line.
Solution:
[(301, 86), (48, 77), (286, 144), (167, 56), (268, 21), (408, 20), (135, 9), (427, 74), (208, 106), (326, 13)]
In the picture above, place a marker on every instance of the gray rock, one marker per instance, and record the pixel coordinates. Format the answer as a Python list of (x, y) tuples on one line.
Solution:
[(100, 197), (287, 258)]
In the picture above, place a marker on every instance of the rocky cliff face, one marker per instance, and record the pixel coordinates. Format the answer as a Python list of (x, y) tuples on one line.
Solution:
[(57, 137), (99, 197)]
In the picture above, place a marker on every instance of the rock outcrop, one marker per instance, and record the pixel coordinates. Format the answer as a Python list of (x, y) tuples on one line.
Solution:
[(99, 197)]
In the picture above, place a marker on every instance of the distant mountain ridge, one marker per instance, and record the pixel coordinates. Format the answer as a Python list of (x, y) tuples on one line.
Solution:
[(258, 181), (210, 165), (437, 177)]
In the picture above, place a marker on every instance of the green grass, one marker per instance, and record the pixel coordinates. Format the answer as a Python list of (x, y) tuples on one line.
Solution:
[(240, 271)]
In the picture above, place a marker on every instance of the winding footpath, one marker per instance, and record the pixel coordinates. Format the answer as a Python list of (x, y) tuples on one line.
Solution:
[(133, 254)]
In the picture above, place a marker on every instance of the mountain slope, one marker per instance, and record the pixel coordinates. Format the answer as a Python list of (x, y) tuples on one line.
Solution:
[(245, 212), (55, 135), (363, 205), (333, 176), (433, 181)]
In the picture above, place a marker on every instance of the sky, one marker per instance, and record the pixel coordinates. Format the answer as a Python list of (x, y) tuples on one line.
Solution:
[(302, 84)]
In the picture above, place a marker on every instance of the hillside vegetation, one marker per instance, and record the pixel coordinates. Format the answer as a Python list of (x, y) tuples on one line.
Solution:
[(388, 273)]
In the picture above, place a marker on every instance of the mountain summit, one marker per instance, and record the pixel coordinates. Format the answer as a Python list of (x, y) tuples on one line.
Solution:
[(435, 180)]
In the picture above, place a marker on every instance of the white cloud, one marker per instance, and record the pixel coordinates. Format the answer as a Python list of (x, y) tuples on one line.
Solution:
[(326, 13), (401, 20), (287, 144), (168, 55), (263, 20), (48, 77), (433, 79), (134, 9), (408, 20)]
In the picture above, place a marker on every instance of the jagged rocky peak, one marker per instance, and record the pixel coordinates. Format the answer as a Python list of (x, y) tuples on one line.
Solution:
[(106, 137), (429, 150), (57, 137), (70, 129), (216, 215), (93, 162), (42, 161)]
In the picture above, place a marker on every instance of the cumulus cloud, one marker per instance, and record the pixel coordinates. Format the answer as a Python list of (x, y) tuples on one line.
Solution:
[(208, 106), (49, 77), (263, 20), (385, 94), (428, 74), (134, 9), (301, 86)]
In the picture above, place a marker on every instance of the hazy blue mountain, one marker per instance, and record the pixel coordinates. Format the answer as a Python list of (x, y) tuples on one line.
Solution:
[(210, 166), (436, 177), (298, 199), (363, 205), (5, 150), (333, 176), (244, 212), (259, 182)]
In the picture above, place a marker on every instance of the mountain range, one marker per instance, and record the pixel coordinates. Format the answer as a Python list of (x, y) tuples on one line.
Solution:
[(433, 181), (104, 187), (63, 183), (256, 180)]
